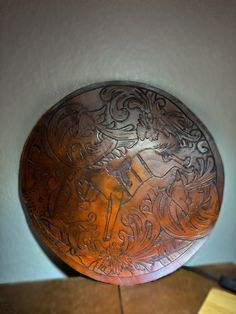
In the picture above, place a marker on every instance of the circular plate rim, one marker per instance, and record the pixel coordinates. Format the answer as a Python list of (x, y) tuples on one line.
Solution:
[(139, 278)]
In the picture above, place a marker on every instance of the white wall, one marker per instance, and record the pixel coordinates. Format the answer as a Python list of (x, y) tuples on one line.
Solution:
[(50, 48)]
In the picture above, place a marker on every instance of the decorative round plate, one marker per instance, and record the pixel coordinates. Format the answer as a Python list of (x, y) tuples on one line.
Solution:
[(121, 181)]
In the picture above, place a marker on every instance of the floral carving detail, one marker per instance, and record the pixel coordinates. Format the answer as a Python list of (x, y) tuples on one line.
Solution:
[(146, 127), (122, 182), (135, 250)]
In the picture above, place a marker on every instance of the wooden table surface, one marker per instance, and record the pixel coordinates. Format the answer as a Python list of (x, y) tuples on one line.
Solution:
[(181, 292)]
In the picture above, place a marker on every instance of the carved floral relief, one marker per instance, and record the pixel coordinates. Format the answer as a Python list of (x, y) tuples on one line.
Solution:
[(122, 181)]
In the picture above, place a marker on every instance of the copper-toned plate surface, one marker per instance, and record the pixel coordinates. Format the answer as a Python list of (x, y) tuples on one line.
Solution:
[(121, 181)]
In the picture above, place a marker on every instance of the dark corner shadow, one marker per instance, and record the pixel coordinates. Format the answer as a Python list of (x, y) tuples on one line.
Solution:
[(60, 264)]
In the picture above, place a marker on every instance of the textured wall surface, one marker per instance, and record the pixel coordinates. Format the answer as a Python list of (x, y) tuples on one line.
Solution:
[(50, 48)]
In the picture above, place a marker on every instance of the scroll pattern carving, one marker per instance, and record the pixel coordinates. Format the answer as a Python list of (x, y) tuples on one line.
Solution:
[(123, 187)]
